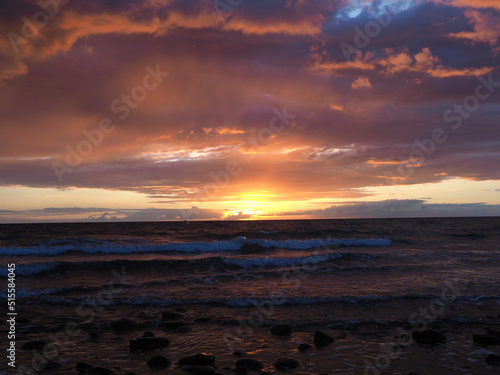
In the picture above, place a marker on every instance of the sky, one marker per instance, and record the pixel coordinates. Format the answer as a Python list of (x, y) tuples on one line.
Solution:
[(239, 110)]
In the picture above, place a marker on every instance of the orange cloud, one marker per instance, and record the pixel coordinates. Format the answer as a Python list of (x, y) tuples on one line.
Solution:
[(393, 63), (486, 28), (361, 82), (470, 3), (61, 33), (12, 69)]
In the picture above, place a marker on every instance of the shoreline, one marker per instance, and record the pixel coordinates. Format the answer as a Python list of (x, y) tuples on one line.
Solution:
[(197, 329)]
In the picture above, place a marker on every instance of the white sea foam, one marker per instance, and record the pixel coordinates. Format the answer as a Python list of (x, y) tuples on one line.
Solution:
[(198, 246)]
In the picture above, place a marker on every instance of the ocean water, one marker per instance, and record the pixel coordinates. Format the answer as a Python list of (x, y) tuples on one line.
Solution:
[(241, 263), (328, 273)]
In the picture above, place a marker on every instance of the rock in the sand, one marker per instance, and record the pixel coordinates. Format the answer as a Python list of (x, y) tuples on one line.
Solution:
[(172, 325), (238, 353), (493, 359), (201, 370), (304, 347), (95, 332), (285, 363), (148, 343), (50, 365), (100, 371), (84, 368), (171, 315), (148, 334), (494, 332), (36, 344), (159, 362), (322, 339), (199, 359), (429, 336), (123, 325), (281, 330), (486, 340), (249, 364)]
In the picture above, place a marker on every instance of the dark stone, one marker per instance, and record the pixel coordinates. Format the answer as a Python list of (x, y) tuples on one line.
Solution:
[(322, 339), (493, 359), (429, 336), (123, 325), (148, 334), (83, 368), (304, 347), (493, 332), (201, 370), (285, 363), (159, 362), (50, 365), (486, 340), (172, 325), (95, 333), (148, 343), (100, 371), (238, 353), (249, 364), (197, 360), (281, 330), (36, 344), (170, 315)]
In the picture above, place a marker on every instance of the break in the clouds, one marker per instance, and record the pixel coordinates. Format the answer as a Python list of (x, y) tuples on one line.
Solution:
[(200, 103)]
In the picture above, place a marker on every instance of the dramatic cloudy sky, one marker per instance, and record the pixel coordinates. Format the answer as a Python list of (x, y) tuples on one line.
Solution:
[(236, 109)]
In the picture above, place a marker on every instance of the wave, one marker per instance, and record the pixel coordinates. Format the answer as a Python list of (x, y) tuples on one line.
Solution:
[(188, 266), (198, 246), (30, 269)]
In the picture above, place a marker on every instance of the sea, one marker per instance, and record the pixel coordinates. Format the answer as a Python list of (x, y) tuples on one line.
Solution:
[(361, 280)]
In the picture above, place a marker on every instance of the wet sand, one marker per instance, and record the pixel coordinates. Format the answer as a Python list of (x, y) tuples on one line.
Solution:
[(361, 346)]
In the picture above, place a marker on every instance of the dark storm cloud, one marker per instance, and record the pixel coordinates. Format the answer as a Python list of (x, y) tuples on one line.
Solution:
[(405, 208)]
